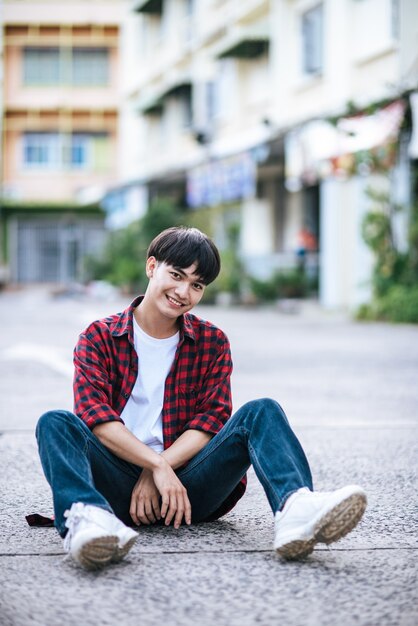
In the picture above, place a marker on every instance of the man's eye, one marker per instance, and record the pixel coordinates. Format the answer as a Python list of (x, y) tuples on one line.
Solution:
[(175, 275), (198, 286)]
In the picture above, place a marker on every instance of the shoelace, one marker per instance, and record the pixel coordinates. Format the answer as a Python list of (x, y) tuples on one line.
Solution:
[(73, 517)]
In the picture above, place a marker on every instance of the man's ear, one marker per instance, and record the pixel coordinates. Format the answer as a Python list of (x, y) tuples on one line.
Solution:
[(150, 266)]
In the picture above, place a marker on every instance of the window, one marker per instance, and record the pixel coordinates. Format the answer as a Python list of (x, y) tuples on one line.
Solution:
[(90, 151), (41, 66), (73, 66), (90, 66), (77, 151), (395, 18), (312, 35), (41, 150), (226, 91), (190, 7)]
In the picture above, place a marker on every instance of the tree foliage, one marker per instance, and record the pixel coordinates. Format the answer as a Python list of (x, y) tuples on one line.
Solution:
[(395, 273)]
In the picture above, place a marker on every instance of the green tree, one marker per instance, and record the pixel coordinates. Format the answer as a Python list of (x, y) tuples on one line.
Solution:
[(232, 272), (377, 232), (395, 273)]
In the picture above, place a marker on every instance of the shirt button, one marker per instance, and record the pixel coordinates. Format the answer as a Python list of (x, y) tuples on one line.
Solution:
[(126, 395)]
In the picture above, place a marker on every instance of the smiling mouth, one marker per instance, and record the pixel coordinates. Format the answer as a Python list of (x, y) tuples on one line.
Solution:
[(175, 302)]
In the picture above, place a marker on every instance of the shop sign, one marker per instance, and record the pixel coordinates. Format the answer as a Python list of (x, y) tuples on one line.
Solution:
[(220, 182)]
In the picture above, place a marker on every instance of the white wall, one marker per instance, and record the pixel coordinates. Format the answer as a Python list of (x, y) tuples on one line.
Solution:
[(363, 62), (345, 260), (256, 231)]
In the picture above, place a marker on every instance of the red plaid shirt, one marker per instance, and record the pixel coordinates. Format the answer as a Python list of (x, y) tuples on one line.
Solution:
[(197, 389)]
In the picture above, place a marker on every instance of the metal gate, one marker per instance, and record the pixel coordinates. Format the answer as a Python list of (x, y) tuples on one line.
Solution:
[(52, 251)]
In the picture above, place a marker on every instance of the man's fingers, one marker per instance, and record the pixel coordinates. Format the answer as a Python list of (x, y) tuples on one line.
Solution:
[(174, 500), (141, 514), (149, 511), (187, 510), (179, 507), (179, 516), (184, 509), (171, 510), (156, 507), (134, 517), (165, 503), (132, 511)]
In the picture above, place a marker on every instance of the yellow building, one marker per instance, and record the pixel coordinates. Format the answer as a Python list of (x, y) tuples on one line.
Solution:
[(60, 133)]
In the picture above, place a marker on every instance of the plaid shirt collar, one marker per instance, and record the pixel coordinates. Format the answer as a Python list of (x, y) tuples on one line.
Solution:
[(124, 324)]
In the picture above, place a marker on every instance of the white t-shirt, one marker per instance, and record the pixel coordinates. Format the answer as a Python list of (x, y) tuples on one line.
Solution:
[(143, 411)]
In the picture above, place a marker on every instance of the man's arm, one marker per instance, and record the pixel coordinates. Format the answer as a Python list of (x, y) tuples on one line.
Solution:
[(93, 404), (174, 501), (145, 501), (213, 408), (93, 392), (186, 447), (214, 402), (92, 385)]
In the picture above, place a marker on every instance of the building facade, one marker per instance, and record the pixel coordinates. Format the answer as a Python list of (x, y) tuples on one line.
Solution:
[(243, 110), (60, 133)]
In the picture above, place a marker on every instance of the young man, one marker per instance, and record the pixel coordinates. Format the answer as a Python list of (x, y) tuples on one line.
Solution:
[(153, 440)]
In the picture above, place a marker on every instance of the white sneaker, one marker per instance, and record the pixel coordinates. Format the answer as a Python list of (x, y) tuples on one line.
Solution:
[(96, 537), (310, 517)]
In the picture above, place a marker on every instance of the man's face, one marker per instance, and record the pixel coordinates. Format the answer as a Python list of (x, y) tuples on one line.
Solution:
[(174, 290)]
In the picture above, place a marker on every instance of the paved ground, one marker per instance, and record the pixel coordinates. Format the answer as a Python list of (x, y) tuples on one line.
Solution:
[(351, 393)]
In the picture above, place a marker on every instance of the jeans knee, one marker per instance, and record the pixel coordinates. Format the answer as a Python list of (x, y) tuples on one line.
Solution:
[(51, 420), (264, 408), (261, 404)]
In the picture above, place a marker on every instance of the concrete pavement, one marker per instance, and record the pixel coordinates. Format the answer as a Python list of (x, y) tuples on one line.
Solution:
[(351, 393)]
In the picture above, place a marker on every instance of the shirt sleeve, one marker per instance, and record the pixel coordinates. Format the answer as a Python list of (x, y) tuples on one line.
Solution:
[(214, 403), (92, 385)]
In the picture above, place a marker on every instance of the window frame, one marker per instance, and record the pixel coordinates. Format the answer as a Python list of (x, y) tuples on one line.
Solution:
[(312, 38), (93, 72), (29, 66), (60, 150)]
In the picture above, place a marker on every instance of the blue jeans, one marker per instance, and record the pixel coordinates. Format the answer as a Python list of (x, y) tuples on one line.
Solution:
[(81, 469)]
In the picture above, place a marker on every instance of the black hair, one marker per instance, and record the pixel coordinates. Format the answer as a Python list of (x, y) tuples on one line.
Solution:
[(181, 246)]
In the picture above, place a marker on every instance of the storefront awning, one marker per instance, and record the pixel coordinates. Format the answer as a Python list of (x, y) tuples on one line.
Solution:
[(355, 144)]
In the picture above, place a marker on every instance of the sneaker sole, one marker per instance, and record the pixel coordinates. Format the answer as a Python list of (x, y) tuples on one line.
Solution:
[(98, 553), (298, 549), (341, 519), (122, 552), (332, 526)]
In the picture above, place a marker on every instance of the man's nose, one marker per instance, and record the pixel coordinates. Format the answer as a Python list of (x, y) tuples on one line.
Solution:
[(182, 290)]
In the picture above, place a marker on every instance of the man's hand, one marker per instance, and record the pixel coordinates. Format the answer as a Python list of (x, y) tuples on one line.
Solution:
[(145, 500), (161, 481)]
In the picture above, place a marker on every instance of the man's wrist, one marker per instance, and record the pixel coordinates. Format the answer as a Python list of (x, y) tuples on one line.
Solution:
[(157, 462)]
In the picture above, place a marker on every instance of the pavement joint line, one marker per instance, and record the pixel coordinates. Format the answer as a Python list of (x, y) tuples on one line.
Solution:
[(177, 552)]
